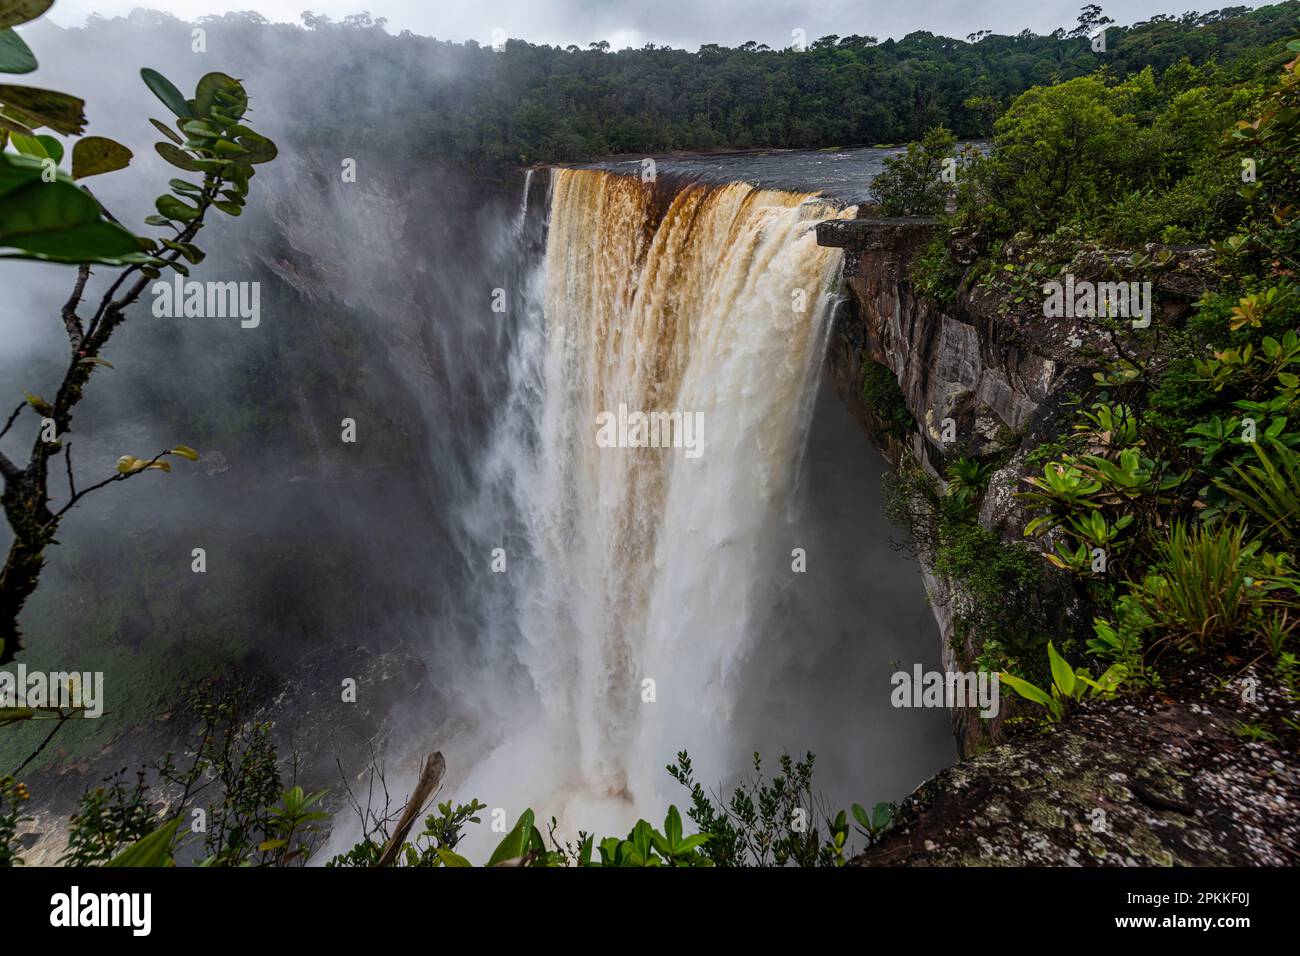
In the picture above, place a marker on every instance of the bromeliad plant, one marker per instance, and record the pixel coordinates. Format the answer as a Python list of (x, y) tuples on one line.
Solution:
[(45, 214), (1108, 429), (1249, 460), (1210, 585), (1061, 491), (1268, 489), (1095, 498), (1254, 370), (1068, 685), (967, 479)]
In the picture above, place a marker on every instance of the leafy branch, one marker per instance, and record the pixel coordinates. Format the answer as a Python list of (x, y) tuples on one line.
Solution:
[(46, 215)]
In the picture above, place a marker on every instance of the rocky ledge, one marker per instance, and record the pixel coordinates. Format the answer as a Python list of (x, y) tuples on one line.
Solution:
[(1147, 782)]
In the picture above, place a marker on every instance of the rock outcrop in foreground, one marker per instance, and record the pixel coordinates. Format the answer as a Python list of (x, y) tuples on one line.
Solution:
[(1151, 782)]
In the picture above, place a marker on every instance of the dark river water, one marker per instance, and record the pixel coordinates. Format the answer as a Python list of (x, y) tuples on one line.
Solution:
[(843, 174)]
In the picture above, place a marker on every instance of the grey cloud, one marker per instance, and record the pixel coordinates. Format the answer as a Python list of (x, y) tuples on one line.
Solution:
[(685, 23)]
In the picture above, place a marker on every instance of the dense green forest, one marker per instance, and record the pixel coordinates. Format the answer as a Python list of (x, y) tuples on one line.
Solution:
[(529, 103)]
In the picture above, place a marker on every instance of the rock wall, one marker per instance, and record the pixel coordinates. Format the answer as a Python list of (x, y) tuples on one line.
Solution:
[(983, 376), (966, 374)]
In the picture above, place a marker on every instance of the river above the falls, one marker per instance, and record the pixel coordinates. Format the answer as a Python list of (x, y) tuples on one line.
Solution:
[(844, 175)]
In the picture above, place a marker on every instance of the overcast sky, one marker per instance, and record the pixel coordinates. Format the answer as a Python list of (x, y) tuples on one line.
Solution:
[(685, 23)]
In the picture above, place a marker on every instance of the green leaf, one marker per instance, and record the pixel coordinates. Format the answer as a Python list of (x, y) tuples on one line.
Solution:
[(185, 451), (167, 131), (212, 84), (190, 251), (174, 208), (13, 12), (59, 111), (1061, 671), (609, 851), (516, 841), (57, 220), (673, 826), (98, 154), (15, 56), (177, 157), (691, 843), (29, 146), (224, 147), (155, 849), (201, 129), (260, 149), (1026, 689), (165, 91), (449, 858), (53, 148)]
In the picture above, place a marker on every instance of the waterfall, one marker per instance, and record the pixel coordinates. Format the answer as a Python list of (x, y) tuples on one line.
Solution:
[(522, 218), (648, 564)]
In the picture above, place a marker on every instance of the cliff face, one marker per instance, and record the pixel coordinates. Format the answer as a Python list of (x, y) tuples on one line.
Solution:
[(973, 380), (950, 362), (1158, 780)]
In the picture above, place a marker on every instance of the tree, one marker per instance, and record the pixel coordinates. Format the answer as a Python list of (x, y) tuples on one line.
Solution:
[(1058, 150), (46, 215), (913, 184), (1091, 19)]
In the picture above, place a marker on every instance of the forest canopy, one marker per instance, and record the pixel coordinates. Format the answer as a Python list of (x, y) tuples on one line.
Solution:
[(530, 103)]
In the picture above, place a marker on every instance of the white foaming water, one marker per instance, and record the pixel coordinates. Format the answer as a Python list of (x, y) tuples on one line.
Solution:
[(644, 564), (522, 218)]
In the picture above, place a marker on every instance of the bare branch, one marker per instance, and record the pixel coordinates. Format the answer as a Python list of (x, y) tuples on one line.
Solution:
[(430, 777), (12, 418), (110, 309), (71, 321), (67, 455), (107, 300), (107, 481), (63, 719)]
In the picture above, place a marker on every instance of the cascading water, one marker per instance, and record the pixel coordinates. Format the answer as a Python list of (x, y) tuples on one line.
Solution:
[(648, 564)]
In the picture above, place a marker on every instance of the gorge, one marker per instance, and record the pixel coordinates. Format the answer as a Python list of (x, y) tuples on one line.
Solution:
[(661, 591), (567, 470), (736, 582)]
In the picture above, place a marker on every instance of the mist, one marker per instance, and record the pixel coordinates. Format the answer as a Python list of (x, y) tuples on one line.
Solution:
[(329, 561)]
